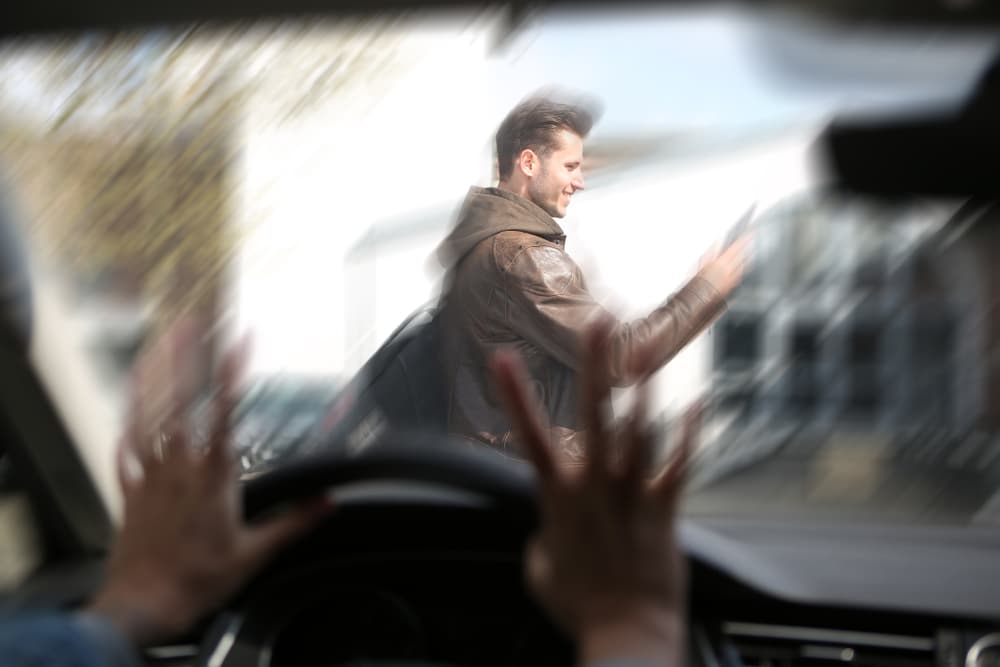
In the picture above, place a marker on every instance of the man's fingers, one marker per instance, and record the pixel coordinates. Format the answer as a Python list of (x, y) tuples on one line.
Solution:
[(739, 255), (265, 539), (595, 396), (742, 244), (510, 375), (739, 252), (711, 254)]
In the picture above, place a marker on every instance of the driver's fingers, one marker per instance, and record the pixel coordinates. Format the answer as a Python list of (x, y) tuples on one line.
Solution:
[(129, 468), (265, 539), (140, 424), (636, 449), (152, 385), (174, 440), (595, 397), (537, 567), (670, 482), (509, 372), (227, 377), (183, 371)]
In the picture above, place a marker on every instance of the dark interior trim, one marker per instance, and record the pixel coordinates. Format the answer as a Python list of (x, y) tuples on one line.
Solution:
[(59, 15), (49, 468)]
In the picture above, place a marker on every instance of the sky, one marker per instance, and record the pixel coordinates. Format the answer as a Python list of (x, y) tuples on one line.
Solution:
[(652, 72), (667, 69)]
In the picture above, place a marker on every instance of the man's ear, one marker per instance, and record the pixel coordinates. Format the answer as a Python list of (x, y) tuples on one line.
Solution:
[(527, 162)]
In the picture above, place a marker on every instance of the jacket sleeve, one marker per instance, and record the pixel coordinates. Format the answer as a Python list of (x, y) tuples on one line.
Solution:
[(57, 639), (551, 307)]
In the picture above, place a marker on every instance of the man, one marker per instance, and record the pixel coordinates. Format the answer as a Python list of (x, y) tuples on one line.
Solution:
[(511, 284)]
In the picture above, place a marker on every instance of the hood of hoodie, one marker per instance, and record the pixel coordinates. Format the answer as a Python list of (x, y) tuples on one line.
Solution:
[(489, 211)]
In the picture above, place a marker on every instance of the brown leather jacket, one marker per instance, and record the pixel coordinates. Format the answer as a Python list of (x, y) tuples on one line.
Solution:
[(511, 283)]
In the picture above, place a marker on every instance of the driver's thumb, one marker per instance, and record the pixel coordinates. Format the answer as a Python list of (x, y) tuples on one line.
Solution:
[(268, 537), (538, 569)]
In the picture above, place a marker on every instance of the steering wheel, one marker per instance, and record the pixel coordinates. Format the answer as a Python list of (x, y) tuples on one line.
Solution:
[(400, 456), (428, 461)]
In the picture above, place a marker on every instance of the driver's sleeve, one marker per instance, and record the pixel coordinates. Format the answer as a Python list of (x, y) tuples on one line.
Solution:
[(63, 640)]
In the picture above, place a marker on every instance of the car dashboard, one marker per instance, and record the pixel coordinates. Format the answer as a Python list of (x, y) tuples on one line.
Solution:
[(426, 577)]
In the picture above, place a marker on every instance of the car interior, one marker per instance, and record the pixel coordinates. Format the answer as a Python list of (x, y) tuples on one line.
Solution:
[(422, 561)]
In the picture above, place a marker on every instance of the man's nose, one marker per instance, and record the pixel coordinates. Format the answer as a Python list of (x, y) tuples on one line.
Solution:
[(578, 182)]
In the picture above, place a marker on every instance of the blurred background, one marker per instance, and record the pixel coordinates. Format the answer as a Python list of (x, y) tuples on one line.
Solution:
[(292, 179)]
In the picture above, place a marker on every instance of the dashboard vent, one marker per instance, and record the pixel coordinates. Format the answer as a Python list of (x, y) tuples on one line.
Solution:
[(174, 655), (762, 645)]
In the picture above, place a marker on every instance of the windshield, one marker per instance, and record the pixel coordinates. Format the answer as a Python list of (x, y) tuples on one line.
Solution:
[(295, 180)]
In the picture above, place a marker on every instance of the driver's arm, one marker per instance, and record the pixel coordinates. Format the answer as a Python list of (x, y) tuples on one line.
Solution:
[(184, 546), (64, 640), (605, 562)]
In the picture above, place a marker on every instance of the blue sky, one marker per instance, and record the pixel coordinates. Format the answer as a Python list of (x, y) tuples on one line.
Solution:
[(661, 69)]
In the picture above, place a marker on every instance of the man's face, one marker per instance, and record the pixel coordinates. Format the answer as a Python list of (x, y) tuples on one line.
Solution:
[(559, 175)]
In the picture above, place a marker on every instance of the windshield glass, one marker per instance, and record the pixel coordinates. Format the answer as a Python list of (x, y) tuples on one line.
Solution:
[(295, 180)]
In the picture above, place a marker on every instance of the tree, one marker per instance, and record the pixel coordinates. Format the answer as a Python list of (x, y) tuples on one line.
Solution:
[(122, 146), (123, 143)]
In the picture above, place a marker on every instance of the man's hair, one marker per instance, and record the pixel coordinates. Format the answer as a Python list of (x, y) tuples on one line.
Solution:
[(534, 124)]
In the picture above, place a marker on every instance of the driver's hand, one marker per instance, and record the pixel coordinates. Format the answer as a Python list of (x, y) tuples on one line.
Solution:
[(183, 547), (605, 563)]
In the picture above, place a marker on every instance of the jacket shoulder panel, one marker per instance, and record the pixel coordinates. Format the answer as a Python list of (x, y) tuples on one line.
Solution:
[(533, 263)]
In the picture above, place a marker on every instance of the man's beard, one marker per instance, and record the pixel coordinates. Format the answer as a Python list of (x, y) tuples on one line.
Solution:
[(543, 203)]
